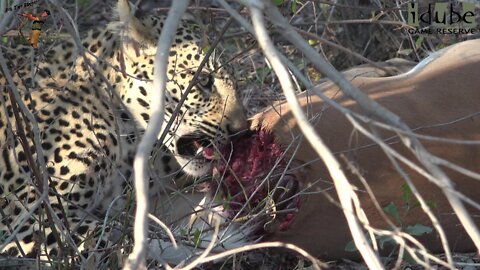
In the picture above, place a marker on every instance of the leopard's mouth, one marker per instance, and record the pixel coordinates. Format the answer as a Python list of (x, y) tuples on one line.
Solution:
[(195, 146)]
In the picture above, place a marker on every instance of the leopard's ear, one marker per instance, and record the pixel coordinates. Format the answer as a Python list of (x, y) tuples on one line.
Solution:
[(136, 29)]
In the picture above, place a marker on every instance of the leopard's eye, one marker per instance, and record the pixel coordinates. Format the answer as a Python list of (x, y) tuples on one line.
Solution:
[(206, 81)]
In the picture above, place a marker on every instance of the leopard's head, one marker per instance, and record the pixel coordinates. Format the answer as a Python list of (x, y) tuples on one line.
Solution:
[(212, 111)]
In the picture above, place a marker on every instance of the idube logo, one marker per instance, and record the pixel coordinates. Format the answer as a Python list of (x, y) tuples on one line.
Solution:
[(442, 18)]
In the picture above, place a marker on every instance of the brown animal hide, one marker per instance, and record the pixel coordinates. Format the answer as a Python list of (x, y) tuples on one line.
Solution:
[(440, 97)]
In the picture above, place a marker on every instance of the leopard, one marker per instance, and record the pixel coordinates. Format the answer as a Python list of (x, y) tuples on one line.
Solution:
[(73, 114)]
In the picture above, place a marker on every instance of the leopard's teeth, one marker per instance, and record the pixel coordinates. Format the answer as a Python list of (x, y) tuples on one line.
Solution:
[(200, 150)]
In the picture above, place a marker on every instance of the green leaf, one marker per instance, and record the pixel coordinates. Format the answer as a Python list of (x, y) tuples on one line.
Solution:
[(418, 229), (312, 42), (432, 204), (263, 72), (382, 240), (419, 41), (392, 210), (196, 237), (415, 204), (277, 2), (226, 202), (294, 6), (350, 247), (218, 197), (406, 193), (83, 3), (300, 64), (206, 48)]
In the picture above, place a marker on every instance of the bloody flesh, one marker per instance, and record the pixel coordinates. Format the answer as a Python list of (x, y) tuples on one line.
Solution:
[(248, 175)]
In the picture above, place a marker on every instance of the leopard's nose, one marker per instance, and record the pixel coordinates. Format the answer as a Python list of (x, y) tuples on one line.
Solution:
[(237, 121), (237, 128)]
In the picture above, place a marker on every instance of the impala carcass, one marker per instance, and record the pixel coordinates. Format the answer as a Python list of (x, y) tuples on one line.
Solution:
[(440, 101), (274, 187)]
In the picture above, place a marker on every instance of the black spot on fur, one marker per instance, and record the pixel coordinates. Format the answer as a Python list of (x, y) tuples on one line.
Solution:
[(143, 103), (64, 170), (75, 115), (84, 89), (67, 55), (95, 34), (46, 146), (80, 144), (142, 90), (82, 229), (63, 185), (145, 117), (50, 239)]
